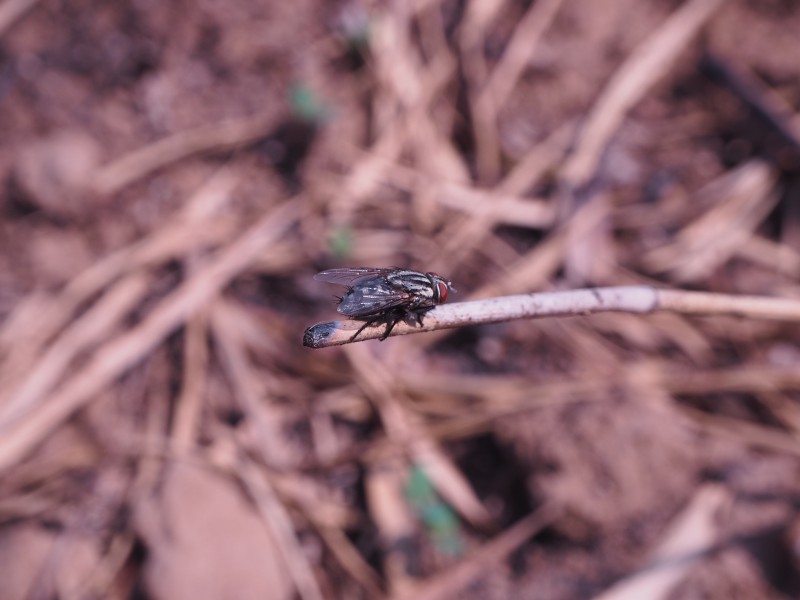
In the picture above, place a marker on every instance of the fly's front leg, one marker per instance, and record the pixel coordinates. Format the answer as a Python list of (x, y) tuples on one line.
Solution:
[(391, 321), (418, 314), (392, 318), (363, 327)]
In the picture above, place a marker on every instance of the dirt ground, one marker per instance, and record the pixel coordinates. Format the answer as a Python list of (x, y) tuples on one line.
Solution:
[(173, 174)]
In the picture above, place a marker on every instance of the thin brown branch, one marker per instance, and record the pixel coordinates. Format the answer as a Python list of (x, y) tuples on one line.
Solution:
[(648, 63), (218, 136), (690, 538), (490, 98), (450, 582), (277, 518), (12, 11), (767, 104), (118, 354), (628, 299)]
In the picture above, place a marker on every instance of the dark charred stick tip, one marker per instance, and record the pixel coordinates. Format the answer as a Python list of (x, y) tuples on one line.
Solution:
[(316, 335)]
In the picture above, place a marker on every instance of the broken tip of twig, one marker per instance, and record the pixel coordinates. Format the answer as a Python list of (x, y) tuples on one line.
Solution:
[(336, 333), (315, 336)]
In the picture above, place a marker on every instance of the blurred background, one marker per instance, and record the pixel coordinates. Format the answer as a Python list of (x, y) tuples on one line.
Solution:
[(172, 175)]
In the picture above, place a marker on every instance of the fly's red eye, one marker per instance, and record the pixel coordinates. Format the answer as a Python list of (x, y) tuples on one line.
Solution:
[(442, 288)]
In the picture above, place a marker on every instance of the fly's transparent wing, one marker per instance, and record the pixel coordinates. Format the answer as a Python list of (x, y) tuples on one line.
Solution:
[(371, 297), (348, 276)]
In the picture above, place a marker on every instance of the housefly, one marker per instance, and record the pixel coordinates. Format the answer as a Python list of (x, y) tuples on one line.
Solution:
[(386, 295)]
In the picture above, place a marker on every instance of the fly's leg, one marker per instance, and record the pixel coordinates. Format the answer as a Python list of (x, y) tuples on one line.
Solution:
[(418, 314), (391, 319), (363, 327), (395, 318), (390, 323)]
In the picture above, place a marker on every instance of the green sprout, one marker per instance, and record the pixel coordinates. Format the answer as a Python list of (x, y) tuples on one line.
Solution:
[(307, 106), (340, 242), (439, 519)]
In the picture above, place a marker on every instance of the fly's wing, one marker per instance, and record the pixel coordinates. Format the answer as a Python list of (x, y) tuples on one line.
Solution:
[(348, 277), (371, 297)]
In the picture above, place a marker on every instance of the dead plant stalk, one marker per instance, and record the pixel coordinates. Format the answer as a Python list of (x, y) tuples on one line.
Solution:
[(630, 299)]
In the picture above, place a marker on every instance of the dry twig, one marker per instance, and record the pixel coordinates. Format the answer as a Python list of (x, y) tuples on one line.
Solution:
[(117, 355), (690, 539), (631, 299), (447, 584), (12, 11), (143, 161), (631, 81)]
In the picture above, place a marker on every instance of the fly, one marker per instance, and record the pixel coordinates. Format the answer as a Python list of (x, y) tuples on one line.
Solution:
[(387, 295)]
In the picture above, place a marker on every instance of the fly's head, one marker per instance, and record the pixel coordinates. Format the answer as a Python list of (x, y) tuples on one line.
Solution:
[(441, 288)]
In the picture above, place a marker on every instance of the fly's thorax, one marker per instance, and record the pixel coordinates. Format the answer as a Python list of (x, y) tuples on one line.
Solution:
[(413, 282)]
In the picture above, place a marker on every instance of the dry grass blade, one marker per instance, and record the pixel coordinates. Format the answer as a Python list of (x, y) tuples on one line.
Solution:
[(742, 199), (13, 10), (518, 53), (782, 258), (350, 559), (633, 299), (513, 390), (391, 514), (37, 320), (499, 209), (505, 396), (642, 69), (535, 163), (277, 518), (450, 582), (692, 534), (195, 363), (768, 104), (491, 97), (139, 163), (249, 390), (487, 207), (412, 89), (537, 267), (86, 332), (403, 426), (743, 432), (119, 354)]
